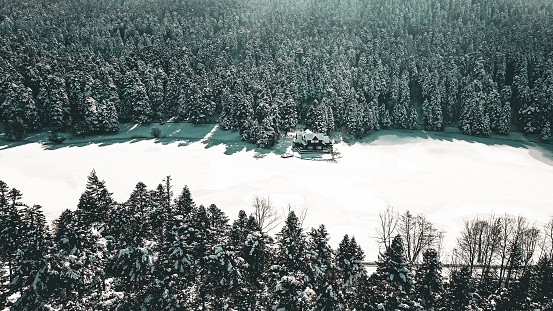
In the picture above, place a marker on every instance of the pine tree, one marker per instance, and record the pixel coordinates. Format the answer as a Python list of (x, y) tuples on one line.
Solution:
[(290, 272), (288, 114), (184, 204), (77, 263), (30, 256), (544, 282), (95, 203), (253, 246), (203, 108), (109, 121), (91, 116), (384, 117), (349, 262), (57, 103), (20, 111), (392, 277), (399, 116), (245, 117), (413, 118), (504, 122), (429, 279), (459, 289), (222, 277), (227, 120), (128, 222), (323, 272), (353, 119), (135, 99), (545, 134), (12, 231)]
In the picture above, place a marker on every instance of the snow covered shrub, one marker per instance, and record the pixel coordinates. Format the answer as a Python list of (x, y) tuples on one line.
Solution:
[(156, 132)]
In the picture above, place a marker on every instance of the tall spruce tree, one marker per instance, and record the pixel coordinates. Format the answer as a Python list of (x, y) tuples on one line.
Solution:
[(290, 271), (95, 203), (429, 279)]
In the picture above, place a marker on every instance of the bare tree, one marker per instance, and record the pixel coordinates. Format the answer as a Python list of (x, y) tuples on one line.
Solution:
[(418, 234), (469, 243), (264, 213), (480, 243), (387, 229), (546, 243), (505, 237)]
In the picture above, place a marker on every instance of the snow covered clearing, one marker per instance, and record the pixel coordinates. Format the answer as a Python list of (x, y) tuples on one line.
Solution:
[(445, 179)]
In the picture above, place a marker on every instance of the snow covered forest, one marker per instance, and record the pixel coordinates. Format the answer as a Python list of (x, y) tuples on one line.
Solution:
[(262, 66), (158, 251)]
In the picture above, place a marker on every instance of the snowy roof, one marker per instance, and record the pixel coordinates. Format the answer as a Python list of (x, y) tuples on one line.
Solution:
[(303, 137), (308, 136)]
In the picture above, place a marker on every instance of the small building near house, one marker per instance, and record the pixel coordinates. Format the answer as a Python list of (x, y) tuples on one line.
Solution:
[(307, 141)]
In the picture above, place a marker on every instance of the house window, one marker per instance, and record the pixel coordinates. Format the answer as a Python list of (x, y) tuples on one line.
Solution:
[(318, 147)]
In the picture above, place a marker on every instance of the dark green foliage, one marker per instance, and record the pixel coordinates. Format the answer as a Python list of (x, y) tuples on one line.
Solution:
[(429, 279), (323, 273), (460, 289), (392, 266), (349, 263), (290, 272), (197, 261), (95, 203)]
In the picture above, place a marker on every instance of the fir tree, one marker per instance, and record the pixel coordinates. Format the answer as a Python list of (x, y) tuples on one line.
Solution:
[(413, 118), (353, 119), (429, 279), (95, 203), (323, 272), (184, 204), (392, 266), (545, 134), (504, 122), (459, 290), (290, 272), (349, 262), (12, 229)]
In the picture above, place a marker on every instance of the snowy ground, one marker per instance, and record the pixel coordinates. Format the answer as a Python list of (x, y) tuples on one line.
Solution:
[(445, 178)]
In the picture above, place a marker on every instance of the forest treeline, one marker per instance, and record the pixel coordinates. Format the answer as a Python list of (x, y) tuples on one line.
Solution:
[(262, 66), (160, 252)]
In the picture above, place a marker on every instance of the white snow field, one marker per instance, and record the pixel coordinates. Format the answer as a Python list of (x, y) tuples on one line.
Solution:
[(447, 180)]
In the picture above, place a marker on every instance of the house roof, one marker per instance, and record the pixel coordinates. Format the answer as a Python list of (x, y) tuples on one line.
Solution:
[(303, 137)]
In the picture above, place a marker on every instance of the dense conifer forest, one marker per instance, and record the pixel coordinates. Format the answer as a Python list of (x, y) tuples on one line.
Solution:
[(161, 251), (262, 66)]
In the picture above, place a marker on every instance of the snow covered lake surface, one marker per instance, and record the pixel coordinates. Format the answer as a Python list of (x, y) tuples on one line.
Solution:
[(447, 180)]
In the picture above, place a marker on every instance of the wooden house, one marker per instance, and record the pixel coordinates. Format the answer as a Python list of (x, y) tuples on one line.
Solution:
[(306, 141)]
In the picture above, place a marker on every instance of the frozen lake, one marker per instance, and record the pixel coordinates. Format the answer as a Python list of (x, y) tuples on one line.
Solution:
[(445, 179)]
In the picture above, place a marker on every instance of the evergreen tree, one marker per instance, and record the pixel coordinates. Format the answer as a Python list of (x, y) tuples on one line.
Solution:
[(353, 119), (290, 272), (95, 203), (544, 283), (184, 204), (399, 116), (349, 262), (12, 229), (135, 100), (393, 278), (323, 272), (19, 110), (413, 118), (459, 290), (384, 117), (504, 122), (429, 279), (288, 114)]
